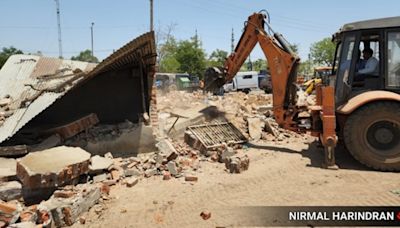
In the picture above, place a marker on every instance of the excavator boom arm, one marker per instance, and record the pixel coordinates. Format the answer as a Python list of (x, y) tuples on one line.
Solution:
[(282, 62)]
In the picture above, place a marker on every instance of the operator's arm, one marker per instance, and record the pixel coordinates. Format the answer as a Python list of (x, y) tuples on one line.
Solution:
[(370, 67)]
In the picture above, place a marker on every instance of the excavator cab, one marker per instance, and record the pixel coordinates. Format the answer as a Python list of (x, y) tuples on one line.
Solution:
[(367, 91)]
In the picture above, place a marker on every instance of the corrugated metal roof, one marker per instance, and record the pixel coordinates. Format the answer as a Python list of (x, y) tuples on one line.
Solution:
[(34, 82)]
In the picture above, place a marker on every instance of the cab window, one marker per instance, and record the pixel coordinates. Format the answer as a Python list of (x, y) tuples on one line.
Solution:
[(393, 60)]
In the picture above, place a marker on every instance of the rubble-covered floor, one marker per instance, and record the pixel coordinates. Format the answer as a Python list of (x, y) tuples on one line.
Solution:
[(285, 169), (179, 186)]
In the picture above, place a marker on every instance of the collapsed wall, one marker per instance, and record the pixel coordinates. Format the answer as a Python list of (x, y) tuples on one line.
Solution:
[(52, 93)]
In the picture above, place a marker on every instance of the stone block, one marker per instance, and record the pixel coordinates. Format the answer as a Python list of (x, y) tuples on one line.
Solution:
[(53, 167)]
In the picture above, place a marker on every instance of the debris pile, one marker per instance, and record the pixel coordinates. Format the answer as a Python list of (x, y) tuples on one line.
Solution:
[(101, 132), (251, 113)]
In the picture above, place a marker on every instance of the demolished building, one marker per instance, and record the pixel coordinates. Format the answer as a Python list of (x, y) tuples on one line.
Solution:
[(43, 97)]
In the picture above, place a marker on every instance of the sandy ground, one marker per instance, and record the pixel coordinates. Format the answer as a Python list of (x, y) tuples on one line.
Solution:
[(279, 175)]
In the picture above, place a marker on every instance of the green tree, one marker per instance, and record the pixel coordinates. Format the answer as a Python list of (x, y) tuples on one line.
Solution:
[(166, 49), (260, 64), (191, 57), (217, 58), (166, 57), (6, 53), (306, 68), (85, 56), (322, 52), (169, 65)]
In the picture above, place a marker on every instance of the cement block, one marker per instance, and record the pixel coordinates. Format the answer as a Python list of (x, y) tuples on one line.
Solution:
[(98, 164), (255, 127), (53, 167), (173, 170)]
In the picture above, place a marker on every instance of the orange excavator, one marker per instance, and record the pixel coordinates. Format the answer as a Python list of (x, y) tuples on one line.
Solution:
[(374, 141), (283, 64)]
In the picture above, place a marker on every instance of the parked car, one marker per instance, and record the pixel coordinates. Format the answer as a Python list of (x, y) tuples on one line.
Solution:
[(243, 81)]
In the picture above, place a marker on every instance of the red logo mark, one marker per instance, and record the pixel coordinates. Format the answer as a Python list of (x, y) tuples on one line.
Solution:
[(398, 215)]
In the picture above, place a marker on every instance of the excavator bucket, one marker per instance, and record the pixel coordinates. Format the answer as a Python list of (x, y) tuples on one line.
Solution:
[(214, 79)]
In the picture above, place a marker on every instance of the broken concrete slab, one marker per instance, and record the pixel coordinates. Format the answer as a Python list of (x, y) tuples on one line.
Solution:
[(173, 170), (132, 172), (53, 167), (66, 211), (100, 178), (8, 169), (11, 190), (166, 148), (269, 128), (255, 127), (99, 164)]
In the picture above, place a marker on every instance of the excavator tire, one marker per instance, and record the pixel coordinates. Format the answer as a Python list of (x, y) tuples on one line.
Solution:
[(372, 135)]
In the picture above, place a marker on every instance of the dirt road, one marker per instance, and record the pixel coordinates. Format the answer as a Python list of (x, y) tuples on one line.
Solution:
[(287, 174)]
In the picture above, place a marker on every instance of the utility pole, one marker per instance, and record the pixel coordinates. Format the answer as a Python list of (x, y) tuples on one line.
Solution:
[(232, 42), (59, 30), (91, 32), (151, 15)]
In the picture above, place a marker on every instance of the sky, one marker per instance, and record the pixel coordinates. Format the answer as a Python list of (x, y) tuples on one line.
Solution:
[(31, 25)]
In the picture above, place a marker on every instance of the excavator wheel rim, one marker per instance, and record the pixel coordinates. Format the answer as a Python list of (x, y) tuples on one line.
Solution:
[(382, 134), (360, 123)]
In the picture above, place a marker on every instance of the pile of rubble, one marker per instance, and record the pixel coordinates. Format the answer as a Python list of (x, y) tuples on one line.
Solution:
[(101, 132), (251, 113), (56, 186)]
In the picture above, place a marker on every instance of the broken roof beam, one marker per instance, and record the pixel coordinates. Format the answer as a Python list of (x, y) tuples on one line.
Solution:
[(71, 129)]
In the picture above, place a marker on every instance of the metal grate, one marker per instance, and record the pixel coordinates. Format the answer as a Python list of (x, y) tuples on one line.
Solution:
[(215, 134)]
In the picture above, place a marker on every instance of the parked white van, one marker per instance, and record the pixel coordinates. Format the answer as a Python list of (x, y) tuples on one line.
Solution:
[(243, 81)]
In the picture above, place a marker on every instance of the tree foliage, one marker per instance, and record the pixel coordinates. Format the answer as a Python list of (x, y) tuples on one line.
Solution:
[(166, 46), (260, 64), (217, 58), (85, 56), (6, 53), (191, 57), (166, 57), (322, 52)]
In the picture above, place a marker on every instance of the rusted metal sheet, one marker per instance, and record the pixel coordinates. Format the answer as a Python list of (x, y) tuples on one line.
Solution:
[(75, 127), (216, 134)]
